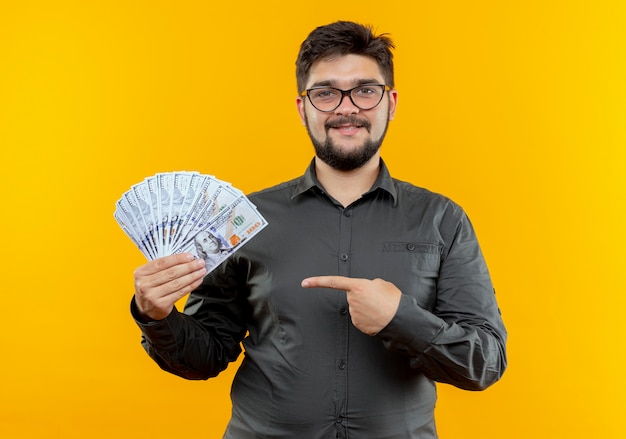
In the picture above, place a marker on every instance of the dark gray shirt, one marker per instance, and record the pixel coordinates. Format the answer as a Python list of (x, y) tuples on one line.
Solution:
[(308, 372)]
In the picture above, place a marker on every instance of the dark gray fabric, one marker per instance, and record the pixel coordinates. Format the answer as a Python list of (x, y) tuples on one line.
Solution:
[(308, 372)]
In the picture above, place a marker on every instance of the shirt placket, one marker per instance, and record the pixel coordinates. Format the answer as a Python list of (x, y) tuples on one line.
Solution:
[(343, 325)]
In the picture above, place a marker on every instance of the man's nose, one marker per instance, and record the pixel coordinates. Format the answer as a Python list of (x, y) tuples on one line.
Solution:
[(346, 106)]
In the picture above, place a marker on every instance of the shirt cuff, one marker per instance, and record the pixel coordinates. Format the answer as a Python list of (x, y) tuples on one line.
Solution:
[(412, 330), (139, 319)]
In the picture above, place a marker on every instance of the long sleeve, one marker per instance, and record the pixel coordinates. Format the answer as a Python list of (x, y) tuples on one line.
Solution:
[(462, 339), (202, 341)]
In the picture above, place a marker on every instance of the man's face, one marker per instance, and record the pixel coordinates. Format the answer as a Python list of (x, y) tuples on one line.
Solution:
[(347, 137)]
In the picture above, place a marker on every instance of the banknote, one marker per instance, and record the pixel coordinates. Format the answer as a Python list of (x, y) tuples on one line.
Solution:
[(124, 223), (186, 211), (224, 233), (220, 198), (128, 205), (142, 205)]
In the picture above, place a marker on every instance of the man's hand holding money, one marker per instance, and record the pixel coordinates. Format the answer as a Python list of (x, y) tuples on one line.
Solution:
[(160, 283)]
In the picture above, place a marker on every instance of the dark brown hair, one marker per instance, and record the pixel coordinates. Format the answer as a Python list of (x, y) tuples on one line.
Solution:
[(344, 38)]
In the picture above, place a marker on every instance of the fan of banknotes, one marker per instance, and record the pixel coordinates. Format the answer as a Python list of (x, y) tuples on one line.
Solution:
[(178, 212)]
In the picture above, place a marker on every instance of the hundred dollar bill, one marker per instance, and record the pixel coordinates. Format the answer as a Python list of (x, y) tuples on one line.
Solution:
[(132, 224), (180, 190), (187, 183), (151, 184), (143, 209), (238, 222), (140, 220), (174, 212), (165, 185), (226, 233), (221, 197), (216, 197), (123, 222), (204, 187)]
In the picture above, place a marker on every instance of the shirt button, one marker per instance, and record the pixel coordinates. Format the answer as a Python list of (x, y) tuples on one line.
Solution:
[(343, 310), (347, 213), (410, 246), (342, 365), (344, 257)]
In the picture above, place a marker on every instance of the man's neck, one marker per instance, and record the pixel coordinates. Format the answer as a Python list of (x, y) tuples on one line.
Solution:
[(347, 186)]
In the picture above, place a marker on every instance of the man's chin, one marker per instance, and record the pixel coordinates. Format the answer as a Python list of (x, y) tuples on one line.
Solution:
[(342, 160)]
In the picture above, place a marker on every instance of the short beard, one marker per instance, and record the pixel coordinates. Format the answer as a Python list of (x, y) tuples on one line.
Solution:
[(337, 159)]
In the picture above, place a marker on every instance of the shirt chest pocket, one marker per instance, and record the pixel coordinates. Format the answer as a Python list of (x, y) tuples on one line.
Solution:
[(414, 268)]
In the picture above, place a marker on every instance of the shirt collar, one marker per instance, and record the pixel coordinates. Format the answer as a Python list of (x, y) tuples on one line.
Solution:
[(383, 182)]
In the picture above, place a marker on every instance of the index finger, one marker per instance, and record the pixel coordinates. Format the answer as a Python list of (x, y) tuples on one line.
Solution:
[(335, 282), (165, 262)]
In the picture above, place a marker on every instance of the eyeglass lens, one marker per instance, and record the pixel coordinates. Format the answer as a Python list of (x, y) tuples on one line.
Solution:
[(365, 97)]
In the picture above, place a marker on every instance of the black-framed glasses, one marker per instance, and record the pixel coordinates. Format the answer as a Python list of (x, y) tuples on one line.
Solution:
[(364, 97)]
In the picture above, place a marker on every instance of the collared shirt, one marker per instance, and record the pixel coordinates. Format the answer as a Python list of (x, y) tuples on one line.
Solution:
[(307, 371)]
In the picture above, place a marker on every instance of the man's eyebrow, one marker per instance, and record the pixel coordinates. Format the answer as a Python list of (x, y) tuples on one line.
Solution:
[(333, 82)]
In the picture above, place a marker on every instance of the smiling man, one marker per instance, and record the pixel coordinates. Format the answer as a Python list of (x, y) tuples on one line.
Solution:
[(335, 123), (361, 293)]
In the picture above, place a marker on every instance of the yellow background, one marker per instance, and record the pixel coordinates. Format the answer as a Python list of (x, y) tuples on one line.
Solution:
[(513, 109)]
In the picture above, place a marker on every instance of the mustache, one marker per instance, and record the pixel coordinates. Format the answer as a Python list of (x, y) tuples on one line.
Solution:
[(347, 120)]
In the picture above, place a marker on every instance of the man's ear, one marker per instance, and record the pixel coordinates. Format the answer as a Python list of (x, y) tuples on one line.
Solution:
[(300, 106), (393, 102)]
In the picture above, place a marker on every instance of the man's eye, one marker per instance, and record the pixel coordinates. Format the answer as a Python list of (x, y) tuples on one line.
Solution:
[(366, 90), (324, 93)]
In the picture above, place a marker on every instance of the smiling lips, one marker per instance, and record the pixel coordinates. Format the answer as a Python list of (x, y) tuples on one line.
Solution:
[(347, 125), (347, 129)]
